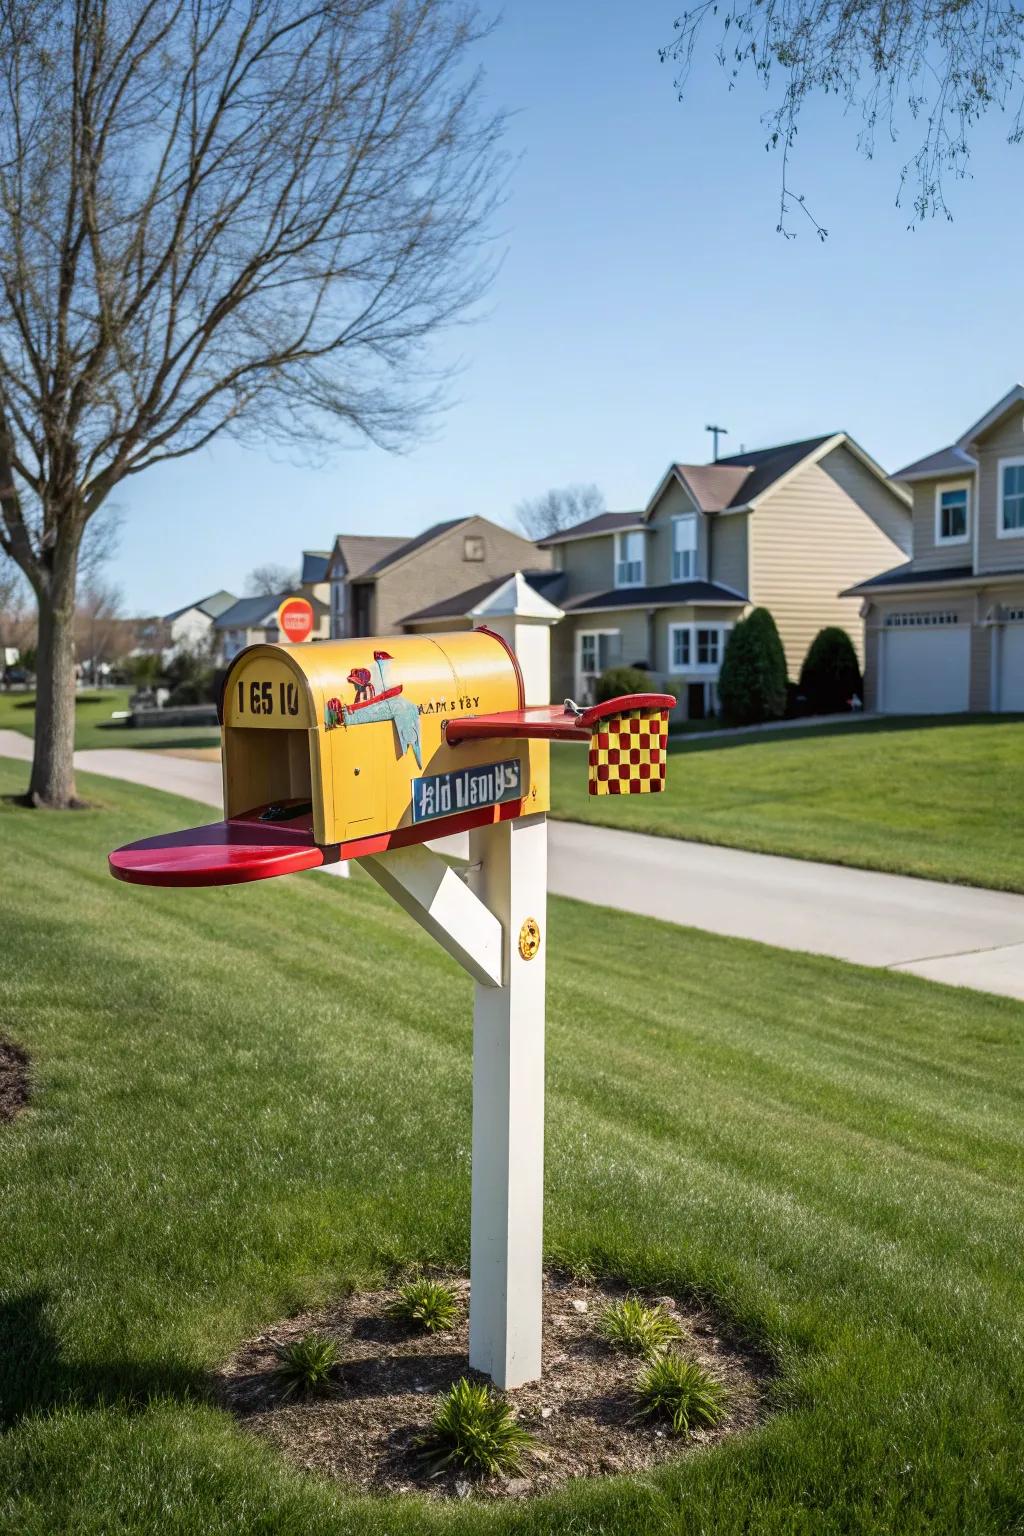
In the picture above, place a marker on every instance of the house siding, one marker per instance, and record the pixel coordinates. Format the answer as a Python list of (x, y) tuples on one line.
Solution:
[(1006, 440), (729, 554), (673, 502), (439, 569), (812, 538), (929, 556), (589, 564)]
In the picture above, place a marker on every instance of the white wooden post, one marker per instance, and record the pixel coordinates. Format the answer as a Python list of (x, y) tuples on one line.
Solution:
[(506, 1241)]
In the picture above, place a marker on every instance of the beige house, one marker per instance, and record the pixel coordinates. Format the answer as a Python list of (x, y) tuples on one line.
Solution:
[(944, 632), (782, 528), (386, 586)]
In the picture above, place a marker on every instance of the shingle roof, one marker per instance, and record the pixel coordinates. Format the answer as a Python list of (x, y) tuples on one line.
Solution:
[(314, 566), (767, 465), (906, 576), (361, 551), (406, 546), (715, 486), (212, 606), (603, 522), (544, 582), (947, 460), (674, 595), (252, 612)]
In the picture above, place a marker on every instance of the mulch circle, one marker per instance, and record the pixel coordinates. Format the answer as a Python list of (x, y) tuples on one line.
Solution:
[(581, 1412), (13, 1080)]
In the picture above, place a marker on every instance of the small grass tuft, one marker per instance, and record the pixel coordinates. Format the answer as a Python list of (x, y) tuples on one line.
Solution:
[(474, 1431), (641, 1330), (681, 1391), (426, 1302), (307, 1365)]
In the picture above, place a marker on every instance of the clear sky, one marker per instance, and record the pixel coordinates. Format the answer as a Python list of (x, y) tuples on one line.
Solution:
[(644, 292)]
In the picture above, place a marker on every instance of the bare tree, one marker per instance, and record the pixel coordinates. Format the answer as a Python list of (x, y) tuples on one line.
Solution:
[(101, 632), (241, 216), (16, 628), (934, 66), (267, 580), (558, 509)]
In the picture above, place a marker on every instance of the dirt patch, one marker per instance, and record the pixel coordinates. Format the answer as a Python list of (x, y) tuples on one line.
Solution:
[(13, 1080), (580, 1413)]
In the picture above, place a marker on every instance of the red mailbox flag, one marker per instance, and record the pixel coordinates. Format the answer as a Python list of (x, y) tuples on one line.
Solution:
[(295, 619)]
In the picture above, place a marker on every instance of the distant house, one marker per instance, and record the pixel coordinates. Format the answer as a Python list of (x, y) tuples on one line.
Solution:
[(661, 588), (253, 621), (944, 631), (384, 586), (192, 626)]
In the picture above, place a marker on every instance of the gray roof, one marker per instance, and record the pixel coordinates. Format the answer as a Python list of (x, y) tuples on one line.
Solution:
[(906, 576), (253, 612), (406, 546), (314, 566), (544, 582), (946, 461), (213, 606), (362, 551), (603, 522), (766, 465), (673, 595)]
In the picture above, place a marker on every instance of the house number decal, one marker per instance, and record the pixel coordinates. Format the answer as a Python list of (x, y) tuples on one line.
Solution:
[(262, 699), (464, 789)]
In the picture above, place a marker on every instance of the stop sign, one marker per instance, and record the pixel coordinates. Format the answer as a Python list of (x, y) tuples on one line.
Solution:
[(295, 618)]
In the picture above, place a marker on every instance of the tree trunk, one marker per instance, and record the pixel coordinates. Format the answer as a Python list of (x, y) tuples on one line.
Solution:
[(53, 774)]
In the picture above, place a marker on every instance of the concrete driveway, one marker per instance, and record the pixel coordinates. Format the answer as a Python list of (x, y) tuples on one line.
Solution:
[(950, 933)]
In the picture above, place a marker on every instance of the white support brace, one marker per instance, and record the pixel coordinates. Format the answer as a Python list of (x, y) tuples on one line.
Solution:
[(426, 887)]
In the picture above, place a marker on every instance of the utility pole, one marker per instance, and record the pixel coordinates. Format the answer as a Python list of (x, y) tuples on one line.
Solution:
[(717, 432)]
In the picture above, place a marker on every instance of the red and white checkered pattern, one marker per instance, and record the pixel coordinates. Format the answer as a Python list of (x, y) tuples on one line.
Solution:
[(627, 754)]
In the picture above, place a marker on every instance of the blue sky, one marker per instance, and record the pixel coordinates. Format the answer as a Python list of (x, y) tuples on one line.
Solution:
[(644, 292)]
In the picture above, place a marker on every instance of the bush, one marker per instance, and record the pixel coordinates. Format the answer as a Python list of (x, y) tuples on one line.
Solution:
[(641, 1330), (619, 680), (475, 1431), (830, 675), (682, 1392), (752, 682), (307, 1365), (426, 1302)]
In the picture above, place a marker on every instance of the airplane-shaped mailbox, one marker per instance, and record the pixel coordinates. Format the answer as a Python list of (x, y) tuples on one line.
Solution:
[(368, 749)]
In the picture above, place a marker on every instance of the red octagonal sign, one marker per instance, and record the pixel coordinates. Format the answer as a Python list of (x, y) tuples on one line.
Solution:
[(295, 619)]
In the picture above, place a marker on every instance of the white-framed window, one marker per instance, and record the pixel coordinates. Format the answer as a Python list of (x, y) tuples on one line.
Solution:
[(629, 559), (924, 620), (1014, 615), (684, 547), (338, 609), (696, 647), (1011, 499), (599, 650), (952, 514)]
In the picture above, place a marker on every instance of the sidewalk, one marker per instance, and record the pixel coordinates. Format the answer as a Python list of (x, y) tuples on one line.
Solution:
[(950, 933)]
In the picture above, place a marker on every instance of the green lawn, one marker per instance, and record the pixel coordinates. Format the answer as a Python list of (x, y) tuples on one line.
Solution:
[(95, 728), (249, 1099), (938, 798)]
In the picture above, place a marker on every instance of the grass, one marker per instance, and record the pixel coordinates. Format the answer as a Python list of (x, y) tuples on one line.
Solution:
[(426, 1303), (306, 1366), (682, 1392), (248, 1100), (95, 728), (638, 1329), (474, 1431), (931, 797)]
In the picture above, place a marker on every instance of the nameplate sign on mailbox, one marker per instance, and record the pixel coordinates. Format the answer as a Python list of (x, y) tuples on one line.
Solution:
[(463, 789)]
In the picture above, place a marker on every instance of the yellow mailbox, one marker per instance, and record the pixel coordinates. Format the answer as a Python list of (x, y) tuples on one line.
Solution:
[(354, 730)]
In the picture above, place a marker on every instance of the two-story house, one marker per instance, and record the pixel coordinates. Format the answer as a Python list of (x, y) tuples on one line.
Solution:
[(776, 528), (253, 620), (944, 632), (190, 627), (381, 586)]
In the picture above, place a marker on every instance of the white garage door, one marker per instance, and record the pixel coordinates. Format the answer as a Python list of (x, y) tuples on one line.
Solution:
[(1011, 668), (926, 671)]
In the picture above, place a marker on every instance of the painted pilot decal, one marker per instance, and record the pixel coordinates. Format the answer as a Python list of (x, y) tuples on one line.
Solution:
[(378, 698)]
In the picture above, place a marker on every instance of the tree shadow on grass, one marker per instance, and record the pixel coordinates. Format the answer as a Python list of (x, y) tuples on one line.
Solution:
[(35, 1378)]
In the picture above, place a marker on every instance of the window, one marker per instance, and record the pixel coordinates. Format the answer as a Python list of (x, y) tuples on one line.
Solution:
[(684, 548), (951, 514), (708, 647), (629, 559), (337, 609), (696, 647), (1011, 499), (678, 646), (473, 547), (919, 620)]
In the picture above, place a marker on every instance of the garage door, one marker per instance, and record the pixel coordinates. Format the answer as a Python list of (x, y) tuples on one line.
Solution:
[(1011, 668), (926, 671)]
